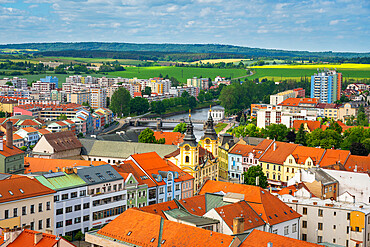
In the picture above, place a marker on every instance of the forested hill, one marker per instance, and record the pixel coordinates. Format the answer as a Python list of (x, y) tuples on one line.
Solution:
[(177, 48)]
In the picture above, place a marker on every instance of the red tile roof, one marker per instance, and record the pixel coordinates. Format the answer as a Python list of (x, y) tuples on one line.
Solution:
[(278, 154), (30, 129), (62, 141), (269, 207), (242, 149), (29, 122), (130, 167), (145, 229), (259, 238), (297, 101), (332, 156), (159, 208), (43, 131), (33, 165), (195, 205), (240, 209), (312, 125), (27, 238), (7, 152), (171, 138), (21, 187), (361, 163), (301, 153)]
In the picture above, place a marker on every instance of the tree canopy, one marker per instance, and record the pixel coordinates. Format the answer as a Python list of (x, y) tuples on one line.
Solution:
[(120, 102), (181, 127), (250, 176)]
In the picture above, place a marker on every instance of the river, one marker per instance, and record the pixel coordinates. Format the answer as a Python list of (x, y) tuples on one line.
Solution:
[(200, 114)]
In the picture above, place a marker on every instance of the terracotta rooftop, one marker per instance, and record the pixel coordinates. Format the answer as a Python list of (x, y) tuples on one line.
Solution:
[(21, 187), (278, 152), (242, 149), (33, 165), (29, 129), (333, 156), (259, 238), (145, 229), (7, 152), (159, 208), (130, 167), (27, 238), (361, 163), (29, 122), (195, 205), (43, 131), (298, 101), (171, 138), (301, 153), (269, 207), (312, 125)]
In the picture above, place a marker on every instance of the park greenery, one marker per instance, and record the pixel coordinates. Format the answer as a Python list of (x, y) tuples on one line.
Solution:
[(147, 136), (250, 177), (181, 127)]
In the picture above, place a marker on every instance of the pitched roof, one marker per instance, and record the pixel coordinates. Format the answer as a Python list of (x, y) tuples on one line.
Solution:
[(240, 209), (29, 129), (123, 150), (17, 137), (130, 167), (259, 238), (98, 174), (145, 229), (43, 131), (21, 187), (361, 163), (195, 205), (62, 141), (278, 152), (301, 153), (7, 152), (312, 125), (171, 138), (332, 156), (27, 238), (241, 149), (269, 207), (298, 101), (159, 208), (29, 122), (33, 165), (60, 180)]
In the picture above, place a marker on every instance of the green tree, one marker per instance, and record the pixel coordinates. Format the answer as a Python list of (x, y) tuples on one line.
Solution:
[(291, 136), (277, 132), (139, 105), (358, 148), (120, 102), (185, 94), (325, 139), (335, 126), (174, 82), (147, 136), (250, 176), (301, 136), (354, 135), (68, 238), (79, 236), (192, 102), (2, 114), (147, 91), (9, 83), (86, 104), (362, 120), (242, 120), (157, 107), (181, 127)]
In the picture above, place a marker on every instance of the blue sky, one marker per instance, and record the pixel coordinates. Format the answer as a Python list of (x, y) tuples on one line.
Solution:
[(318, 25)]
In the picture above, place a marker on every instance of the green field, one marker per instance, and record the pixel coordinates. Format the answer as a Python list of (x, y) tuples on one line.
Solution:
[(180, 73), (87, 60), (290, 73)]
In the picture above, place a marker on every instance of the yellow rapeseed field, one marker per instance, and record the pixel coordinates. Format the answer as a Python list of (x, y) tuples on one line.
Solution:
[(344, 66), (226, 60)]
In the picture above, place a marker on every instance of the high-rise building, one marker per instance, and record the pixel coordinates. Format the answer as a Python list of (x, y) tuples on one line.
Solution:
[(326, 86), (50, 79)]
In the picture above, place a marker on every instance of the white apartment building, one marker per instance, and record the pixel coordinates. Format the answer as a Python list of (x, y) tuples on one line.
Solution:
[(201, 83), (280, 97), (276, 115), (43, 86), (177, 91), (325, 221), (98, 98), (19, 82)]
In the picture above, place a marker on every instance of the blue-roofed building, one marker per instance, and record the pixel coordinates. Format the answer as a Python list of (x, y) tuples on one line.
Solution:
[(50, 79)]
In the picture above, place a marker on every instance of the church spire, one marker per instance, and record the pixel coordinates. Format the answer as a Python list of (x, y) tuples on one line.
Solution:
[(210, 131), (189, 134)]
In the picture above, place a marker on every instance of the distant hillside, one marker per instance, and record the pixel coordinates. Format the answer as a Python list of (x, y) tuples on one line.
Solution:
[(178, 48)]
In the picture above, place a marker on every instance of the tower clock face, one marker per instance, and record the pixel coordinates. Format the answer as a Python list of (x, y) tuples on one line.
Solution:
[(187, 148), (207, 141)]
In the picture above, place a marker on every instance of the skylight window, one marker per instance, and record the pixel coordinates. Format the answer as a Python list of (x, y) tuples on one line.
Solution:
[(276, 215), (21, 191), (129, 233), (100, 176), (1, 195), (89, 178), (163, 241), (11, 193), (152, 240), (111, 174), (291, 211), (270, 217)]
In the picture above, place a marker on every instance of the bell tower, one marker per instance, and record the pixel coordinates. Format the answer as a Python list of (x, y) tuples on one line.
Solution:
[(209, 139), (189, 151)]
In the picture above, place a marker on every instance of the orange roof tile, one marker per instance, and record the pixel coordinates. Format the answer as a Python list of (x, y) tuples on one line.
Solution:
[(17, 137), (159, 208), (29, 122), (278, 154), (21, 187), (240, 209), (332, 156), (43, 131), (171, 138), (195, 205), (130, 167), (361, 163), (30, 129), (242, 149), (312, 125), (297, 101), (27, 238), (146, 229), (7, 152), (33, 165), (259, 238), (269, 207), (301, 153)]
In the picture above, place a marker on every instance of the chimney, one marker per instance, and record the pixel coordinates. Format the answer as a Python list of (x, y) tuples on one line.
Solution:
[(355, 170), (37, 237), (9, 134), (1, 141), (11, 234), (238, 225), (257, 181), (274, 146)]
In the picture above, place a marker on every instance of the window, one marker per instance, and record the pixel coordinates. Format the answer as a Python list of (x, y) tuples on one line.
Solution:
[(320, 213), (335, 213), (73, 194), (319, 239), (59, 224), (348, 216), (82, 192), (187, 159), (275, 231), (32, 225), (347, 229), (40, 224), (101, 177), (6, 214), (15, 212), (69, 222), (86, 218), (48, 223), (86, 205), (319, 226), (77, 220), (89, 178), (32, 209), (357, 229), (267, 166), (47, 205), (161, 190), (274, 167), (56, 198), (40, 207), (78, 207), (64, 196), (304, 211), (294, 228), (287, 169), (304, 237), (177, 187), (286, 230), (304, 224), (69, 209), (24, 210), (59, 211)]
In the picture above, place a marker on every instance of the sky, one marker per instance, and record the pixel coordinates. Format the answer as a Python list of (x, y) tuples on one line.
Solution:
[(317, 25)]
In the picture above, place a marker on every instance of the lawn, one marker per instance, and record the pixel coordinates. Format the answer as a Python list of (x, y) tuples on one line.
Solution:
[(180, 73), (280, 72), (219, 127), (89, 60)]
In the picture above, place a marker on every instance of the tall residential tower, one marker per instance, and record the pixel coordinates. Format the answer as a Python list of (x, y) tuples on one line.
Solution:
[(326, 86)]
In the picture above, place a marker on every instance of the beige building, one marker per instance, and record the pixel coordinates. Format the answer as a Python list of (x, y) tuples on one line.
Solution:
[(98, 98), (346, 111), (25, 201), (79, 97)]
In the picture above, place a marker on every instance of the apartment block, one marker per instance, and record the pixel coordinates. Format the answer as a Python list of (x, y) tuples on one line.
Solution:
[(326, 86), (98, 98)]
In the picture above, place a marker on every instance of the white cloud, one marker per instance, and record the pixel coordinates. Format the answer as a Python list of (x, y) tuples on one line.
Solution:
[(205, 11), (334, 22), (189, 23)]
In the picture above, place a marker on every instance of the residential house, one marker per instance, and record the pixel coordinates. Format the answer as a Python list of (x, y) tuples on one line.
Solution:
[(237, 161), (30, 135), (356, 163), (57, 145), (25, 201), (225, 143)]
